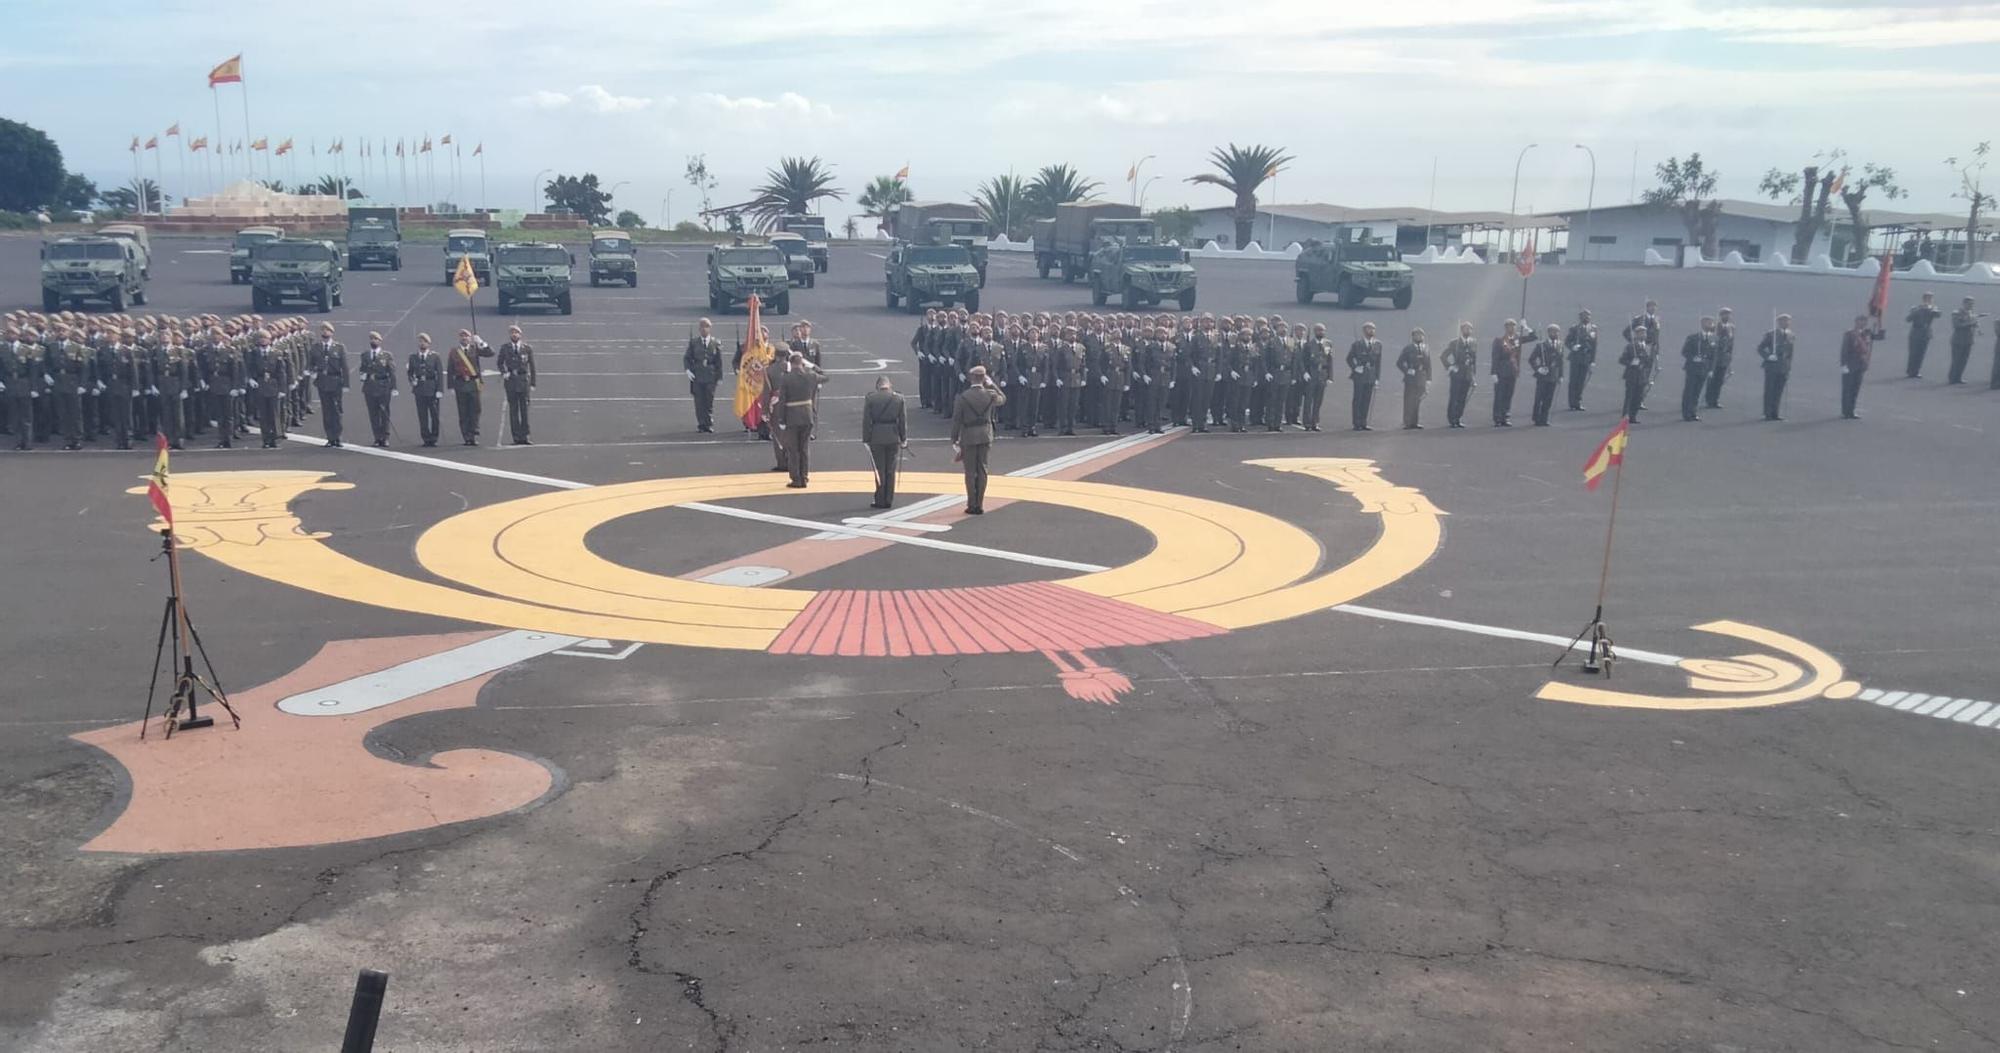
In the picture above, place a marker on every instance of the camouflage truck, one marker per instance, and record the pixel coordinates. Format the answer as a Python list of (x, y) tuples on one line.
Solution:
[(532, 272), (798, 258), (91, 268), (1354, 269), (737, 272), (924, 274), (1044, 233), (374, 235), (136, 234), (469, 242), (1081, 227), (295, 269), (943, 223), (1141, 274), (813, 229), (239, 251), (613, 258)]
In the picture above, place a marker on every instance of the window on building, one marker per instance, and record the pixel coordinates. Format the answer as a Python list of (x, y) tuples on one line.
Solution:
[(1666, 243), (1604, 239)]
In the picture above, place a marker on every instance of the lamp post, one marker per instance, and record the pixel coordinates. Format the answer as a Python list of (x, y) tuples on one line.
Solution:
[(535, 187), (667, 211), (1150, 180), (1136, 166), (1515, 199), (1589, 199), (612, 194)]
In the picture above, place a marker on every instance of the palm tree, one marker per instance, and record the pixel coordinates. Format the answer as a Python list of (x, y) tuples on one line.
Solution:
[(1058, 184), (146, 195), (791, 188), (1003, 201), (883, 194), (1244, 169)]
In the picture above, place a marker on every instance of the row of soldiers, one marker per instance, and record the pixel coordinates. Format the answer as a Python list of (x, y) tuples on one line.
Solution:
[(1964, 334)]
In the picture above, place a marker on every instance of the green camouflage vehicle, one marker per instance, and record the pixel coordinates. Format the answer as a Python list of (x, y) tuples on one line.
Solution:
[(923, 274), (89, 268), (141, 244), (374, 235), (462, 243), (532, 273), (736, 272), (1141, 274), (813, 229), (613, 259), (296, 269), (239, 253), (798, 258), (1354, 270)]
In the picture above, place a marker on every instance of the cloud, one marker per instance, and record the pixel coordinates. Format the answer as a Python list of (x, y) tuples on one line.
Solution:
[(1120, 111), (543, 100), (788, 104), (592, 98)]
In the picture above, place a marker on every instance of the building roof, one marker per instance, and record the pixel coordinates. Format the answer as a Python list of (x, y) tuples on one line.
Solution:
[(1410, 216)]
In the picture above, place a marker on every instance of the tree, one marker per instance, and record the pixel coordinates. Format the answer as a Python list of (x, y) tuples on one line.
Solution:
[(1175, 224), (1688, 187), (791, 188), (76, 194), (1003, 201), (146, 197), (1243, 170), (1971, 176), (629, 220), (119, 201), (1058, 184), (850, 227), (704, 184), (882, 194), (31, 167), (1854, 190), (1779, 185), (1831, 176), (580, 196)]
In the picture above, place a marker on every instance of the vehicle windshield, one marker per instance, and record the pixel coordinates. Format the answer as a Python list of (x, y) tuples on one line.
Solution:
[(292, 251), (791, 246), (961, 228), (465, 244), (99, 251), (539, 256), (939, 255), (244, 241), (810, 233), (734, 257), (1153, 254), (611, 245), (1371, 253)]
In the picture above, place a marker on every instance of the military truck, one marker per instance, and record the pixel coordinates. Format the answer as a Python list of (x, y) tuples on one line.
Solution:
[(736, 272), (799, 264), (239, 252), (943, 223), (1141, 274), (135, 234), (532, 272), (295, 269), (1044, 233), (613, 258), (467, 243), (91, 268), (923, 274), (1081, 227), (813, 229), (1353, 268), (374, 235)]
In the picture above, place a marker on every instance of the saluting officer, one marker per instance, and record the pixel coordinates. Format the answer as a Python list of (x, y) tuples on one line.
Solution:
[(1697, 358), (972, 433), (1775, 352), (1546, 361), (703, 363), (1506, 368), (1415, 365), (1638, 363), (468, 381), (1582, 344), (425, 372), (1857, 346), (378, 384), (1461, 365), (1920, 318), (516, 364)]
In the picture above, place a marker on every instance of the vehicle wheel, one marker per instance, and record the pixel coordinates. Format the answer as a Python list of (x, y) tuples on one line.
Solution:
[(1305, 289), (1098, 296), (51, 303), (1350, 297), (593, 281), (1403, 297), (812, 280), (563, 304), (396, 263), (1129, 297), (139, 297), (1187, 299), (1041, 268), (914, 304), (325, 301), (118, 299), (972, 302), (337, 299), (632, 281), (783, 305), (887, 294)]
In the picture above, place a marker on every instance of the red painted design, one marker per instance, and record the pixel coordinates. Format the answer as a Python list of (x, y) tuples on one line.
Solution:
[(994, 619)]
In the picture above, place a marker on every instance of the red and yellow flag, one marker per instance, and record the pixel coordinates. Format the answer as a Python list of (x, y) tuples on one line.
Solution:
[(1526, 263), (260, 144), (464, 278), (284, 148), (198, 143), (153, 143), (156, 486), (228, 71), (175, 131), (1609, 454), (903, 172), (757, 360)]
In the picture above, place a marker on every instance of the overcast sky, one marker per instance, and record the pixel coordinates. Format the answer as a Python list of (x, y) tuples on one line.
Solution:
[(1365, 95)]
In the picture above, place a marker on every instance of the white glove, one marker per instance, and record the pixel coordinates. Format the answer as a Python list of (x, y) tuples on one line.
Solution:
[(3, 385), (1101, 379), (1359, 372), (1542, 372), (1059, 382), (184, 396), (1268, 376), (152, 390), (1147, 377), (99, 388), (1843, 369), (690, 374), (1309, 377), (253, 386), (1451, 369), (1171, 384), (49, 380), (961, 378), (1234, 375)]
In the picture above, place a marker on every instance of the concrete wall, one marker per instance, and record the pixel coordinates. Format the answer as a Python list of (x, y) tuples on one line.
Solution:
[(1221, 229), (1624, 236)]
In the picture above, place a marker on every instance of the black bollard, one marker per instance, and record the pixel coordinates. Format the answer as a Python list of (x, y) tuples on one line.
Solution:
[(366, 1012)]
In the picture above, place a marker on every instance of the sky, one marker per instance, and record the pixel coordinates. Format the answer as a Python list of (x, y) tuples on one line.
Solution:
[(1371, 99)]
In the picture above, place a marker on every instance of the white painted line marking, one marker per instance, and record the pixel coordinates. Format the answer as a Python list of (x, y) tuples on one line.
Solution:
[(616, 656), (1627, 653), (1870, 694), (1956, 705), (439, 462), (1971, 711), (1987, 718), (921, 542), (1911, 702), (865, 521), (423, 675), (1892, 698)]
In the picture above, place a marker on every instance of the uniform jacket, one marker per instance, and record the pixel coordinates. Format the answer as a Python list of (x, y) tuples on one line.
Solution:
[(972, 415), (1546, 360), (329, 366), (117, 368), (1415, 364), (1698, 352), (1920, 319), (462, 365), (516, 364), (1856, 348), (703, 358), (794, 395), (1637, 360), (1506, 357), (378, 372), (884, 420), (1461, 359), (1582, 343), (1725, 344), (1364, 361), (1964, 327), (1776, 350), (1653, 327), (1315, 359), (425, 371)]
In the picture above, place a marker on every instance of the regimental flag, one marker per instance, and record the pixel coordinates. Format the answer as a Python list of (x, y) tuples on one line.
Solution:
[(156, 486), (135, 145), (198, 143), (903, 172), (1132, 173), (464, 279), (228, 71), (1610, 453), (260, 144), (426, 148), (757, 359), (446, 141), (153, 143), (284, 148), (175, 131), (1878, 300), (480, 149), (1525, 263)]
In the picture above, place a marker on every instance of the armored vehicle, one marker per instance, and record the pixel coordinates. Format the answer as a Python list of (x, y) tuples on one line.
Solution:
[(532, 273), (613, 259), (813, 229), (923, 274), (463, 243), (736, 272), (295, 269), (943, 223), (90, 268), (1354, 269), (798, 258), (135, 234), (374, 235), (239, 253), (1141, 274), (1081, 227)]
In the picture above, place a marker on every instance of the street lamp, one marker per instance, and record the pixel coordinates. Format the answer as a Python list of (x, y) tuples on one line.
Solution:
[(1150, 180), (1515, 200), (1589, 199), (667, 211), (1136, 166), (535, 187), (612, 194)]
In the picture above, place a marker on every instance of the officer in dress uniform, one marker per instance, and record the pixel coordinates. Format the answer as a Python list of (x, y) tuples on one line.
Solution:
[(1415, 364), (1697, 358), (792, 409), (1774, 352), (972, 433), (1964, 330), (1461, 365), (22, 375), (702, 361), (117, 371), (72, 373), (1582, 345), (1546, 362), (468, 382), (425, 372), (1921, 317), (1114, 380), (1638, 364), (1030, 369), (1315, 363), (1857, 346), (1066, 366), (226, 378), (885, 431), (328, 368), (515, 362), (1506, 368), (378, 384), (1725, 354), (1364, 366), (1648, 322)]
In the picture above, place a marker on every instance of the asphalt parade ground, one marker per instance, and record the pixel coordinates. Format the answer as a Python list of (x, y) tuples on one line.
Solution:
[(1194, 742)]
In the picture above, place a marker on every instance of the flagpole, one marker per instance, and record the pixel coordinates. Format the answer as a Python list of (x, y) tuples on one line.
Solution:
[(159, 179), (249, 156), (181, 139), (1604, 575), (215, 97)]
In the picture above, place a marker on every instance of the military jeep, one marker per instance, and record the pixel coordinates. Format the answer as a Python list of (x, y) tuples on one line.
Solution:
[(463, 243), (239, 252), (1354, 270), (921, 274), (1141, 275), (613, 259), (296, 269), (798, 258), (737, 272), (532, 273), (89, 268)]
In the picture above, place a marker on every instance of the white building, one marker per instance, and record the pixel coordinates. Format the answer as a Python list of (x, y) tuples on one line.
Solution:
[(1623, 233), (1409, 228)]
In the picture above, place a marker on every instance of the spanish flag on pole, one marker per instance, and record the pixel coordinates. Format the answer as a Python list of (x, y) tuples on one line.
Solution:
[(1610, 453), (463, 278), (903, 172), (228, 71), (156, 487)]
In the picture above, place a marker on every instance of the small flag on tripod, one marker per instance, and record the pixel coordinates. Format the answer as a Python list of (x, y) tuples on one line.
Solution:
[(156, 486), (1609, 454)]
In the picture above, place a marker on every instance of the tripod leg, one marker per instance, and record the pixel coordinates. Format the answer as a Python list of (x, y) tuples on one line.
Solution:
[(153, 682), (213, 683)]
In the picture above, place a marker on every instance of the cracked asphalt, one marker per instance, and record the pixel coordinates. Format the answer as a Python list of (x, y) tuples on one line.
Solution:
[(1334, 832)]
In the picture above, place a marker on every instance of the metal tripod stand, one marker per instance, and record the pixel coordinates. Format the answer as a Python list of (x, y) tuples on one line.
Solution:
[(175, 625)]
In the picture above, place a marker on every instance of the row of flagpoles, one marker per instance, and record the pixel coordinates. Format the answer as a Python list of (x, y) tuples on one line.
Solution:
[(385, 166)]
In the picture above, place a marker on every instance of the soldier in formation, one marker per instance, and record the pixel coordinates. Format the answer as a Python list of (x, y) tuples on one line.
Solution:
[(1364, 366), (515, 362), (1545, 361), (703, 363), (1415, 364), (468, 382), (377, 368), (1921, 318)]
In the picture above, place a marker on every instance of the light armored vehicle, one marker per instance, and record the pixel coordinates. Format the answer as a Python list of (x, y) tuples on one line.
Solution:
[(613, 259), (295, 269), (467, 243), (737, 272), (239, 252), (1354, 270), (1082, 227), (532, 273), (87, 268), (374, 235), (813, 229), (798, 258), (924, 274), (1141, 274), (943, 223), (135, 234)]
